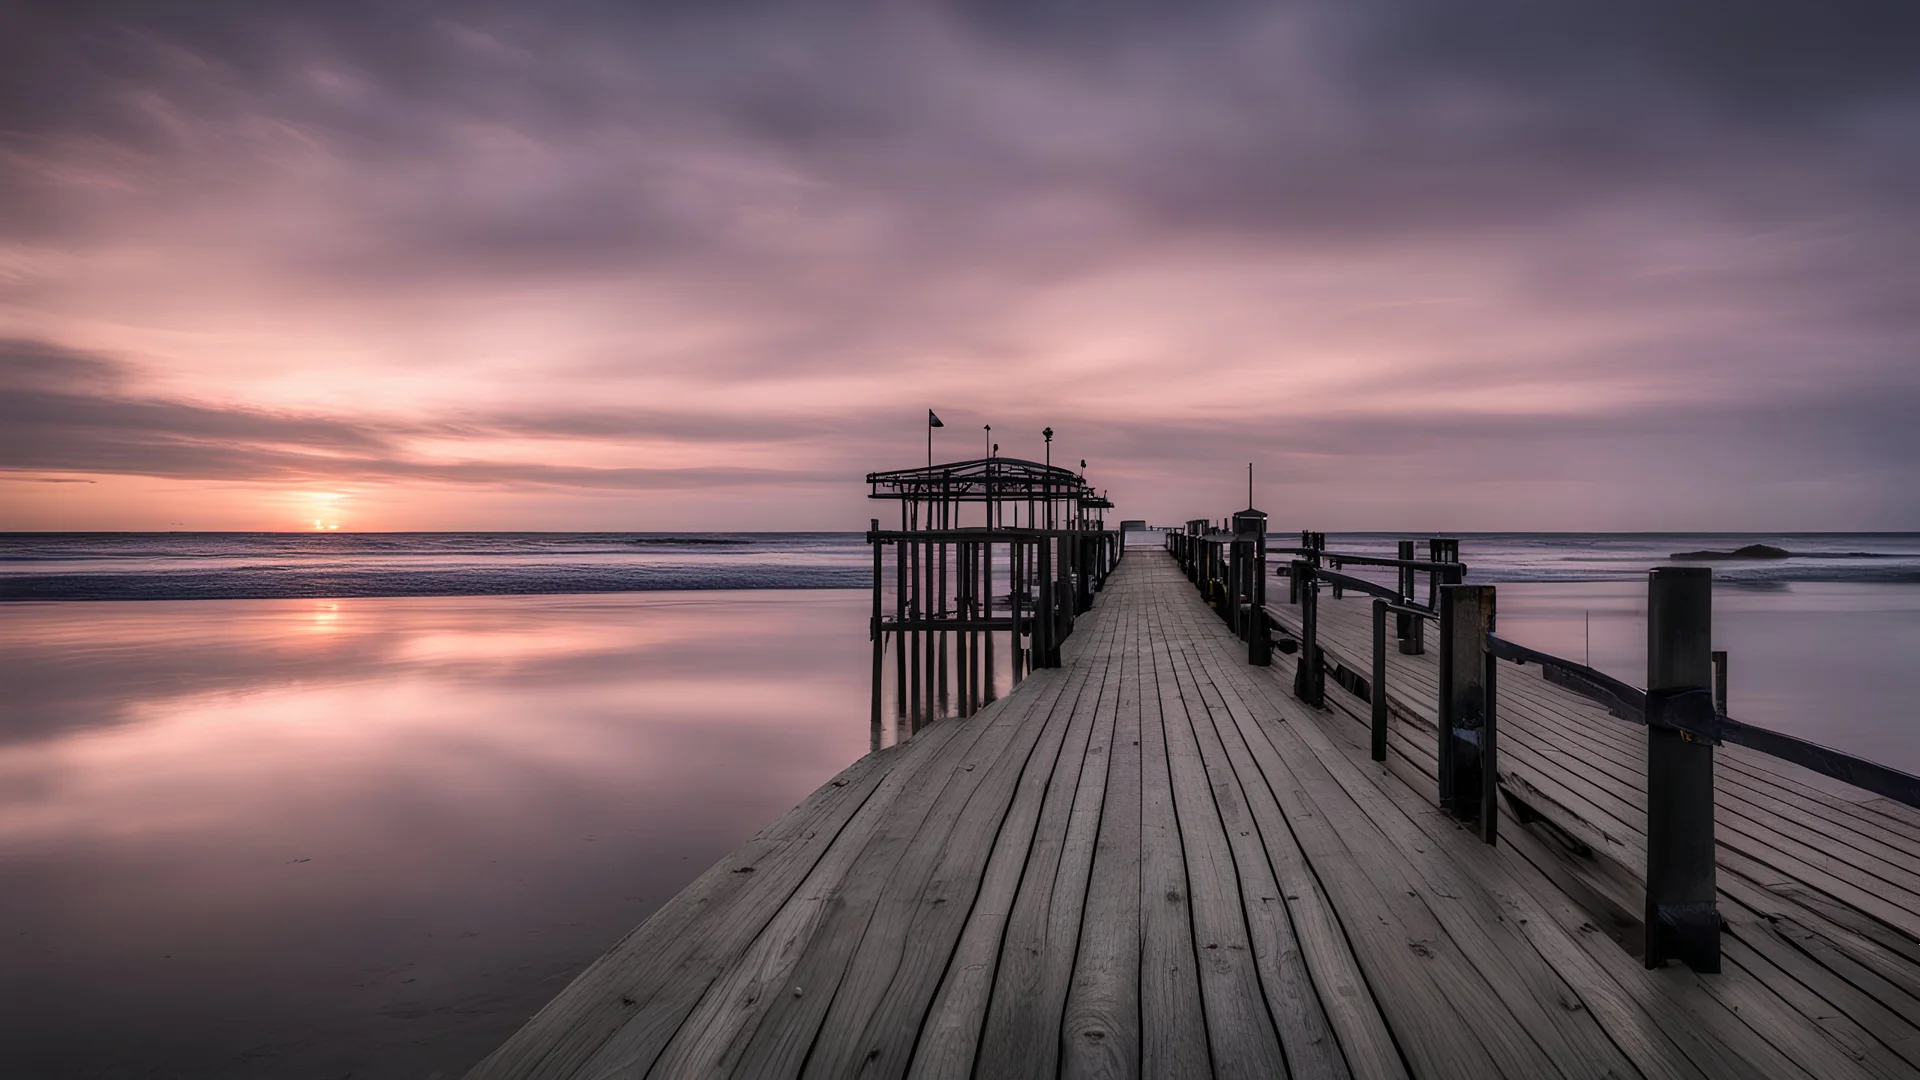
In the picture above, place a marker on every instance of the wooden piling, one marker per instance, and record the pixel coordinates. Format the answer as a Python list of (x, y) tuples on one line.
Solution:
[(1720, 681), (1260, 641), (1468, 752), (963, 665), (1682, 915), (1016, 595), (1045, 614), (940, 589), (899, 637), (1409, 630), (915, 709), (877, 630), (1309, 680), (1377, 689)]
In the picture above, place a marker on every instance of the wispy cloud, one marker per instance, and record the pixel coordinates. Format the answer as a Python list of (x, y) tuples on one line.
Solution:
[(688, 251)]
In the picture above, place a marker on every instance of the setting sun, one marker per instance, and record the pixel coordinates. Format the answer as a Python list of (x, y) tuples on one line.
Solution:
[(325, 505)]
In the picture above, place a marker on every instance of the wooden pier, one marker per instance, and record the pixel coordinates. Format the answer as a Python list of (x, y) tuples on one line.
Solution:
[(1155, 859)]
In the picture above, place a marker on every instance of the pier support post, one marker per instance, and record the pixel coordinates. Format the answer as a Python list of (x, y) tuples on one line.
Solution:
[(1259, 635), (959, 614), (1236, 588), (899, 631), (1377, 690), (1309, 682), (1469, 763), (1441, 549), (986, 611), (940, 594), (1409, 630), (879, 633), (1087, 564), (912, 641), (1046, 617), (933, 684), (1683, 917), (1016, 597), (1720, 681)]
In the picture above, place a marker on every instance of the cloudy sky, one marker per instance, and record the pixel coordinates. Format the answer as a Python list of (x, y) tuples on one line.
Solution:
[(1448, 265)]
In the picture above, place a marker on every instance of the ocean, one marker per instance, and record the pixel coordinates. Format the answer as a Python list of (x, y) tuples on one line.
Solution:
[(359, 804), (261, 566), (253, 566)]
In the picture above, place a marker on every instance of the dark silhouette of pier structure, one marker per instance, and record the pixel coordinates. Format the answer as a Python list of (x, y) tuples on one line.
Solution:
[(990, 549)]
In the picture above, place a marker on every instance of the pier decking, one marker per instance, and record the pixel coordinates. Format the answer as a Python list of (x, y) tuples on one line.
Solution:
[(1152, 860)]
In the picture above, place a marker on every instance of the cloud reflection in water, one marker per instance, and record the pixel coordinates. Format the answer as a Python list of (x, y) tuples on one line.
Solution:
[(377, 833)]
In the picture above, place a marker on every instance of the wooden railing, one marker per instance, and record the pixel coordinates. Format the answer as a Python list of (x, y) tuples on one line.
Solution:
[(1683, 709), (1230, 570)]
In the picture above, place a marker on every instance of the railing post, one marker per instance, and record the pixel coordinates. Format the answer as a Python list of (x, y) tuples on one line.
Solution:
[(1091, 570), (1409, 629), (1683, 918), (1043, 602), (1377, 690), (1016, 604), (1243, 598), (1469, 771), (879, 634), (1259, 637), (911, 642), (1308, 681), (899, 631), (1050, 599), (986, 611), (1720, 681), (1441, 549)]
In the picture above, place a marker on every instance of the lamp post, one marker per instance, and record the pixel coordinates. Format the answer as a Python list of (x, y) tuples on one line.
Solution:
[(989, 476), (1048, 433)]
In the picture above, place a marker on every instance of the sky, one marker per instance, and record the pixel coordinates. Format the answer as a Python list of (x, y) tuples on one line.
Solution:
[(1500, 264)]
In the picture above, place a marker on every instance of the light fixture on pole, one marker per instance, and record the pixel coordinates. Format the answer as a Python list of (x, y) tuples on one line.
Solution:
[(1049, 436)]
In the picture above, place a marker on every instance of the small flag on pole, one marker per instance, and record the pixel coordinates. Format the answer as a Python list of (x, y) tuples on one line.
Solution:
[(932, 420)]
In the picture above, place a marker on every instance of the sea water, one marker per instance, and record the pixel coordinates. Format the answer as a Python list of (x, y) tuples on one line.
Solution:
[(317, 805)]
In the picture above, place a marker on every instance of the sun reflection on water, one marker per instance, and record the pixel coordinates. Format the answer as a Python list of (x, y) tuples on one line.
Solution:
[(252, 817)]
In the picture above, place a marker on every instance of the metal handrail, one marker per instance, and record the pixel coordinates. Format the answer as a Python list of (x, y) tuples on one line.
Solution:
[(1371, 588), (1630, 703), (1626, 701), (1336, 558)]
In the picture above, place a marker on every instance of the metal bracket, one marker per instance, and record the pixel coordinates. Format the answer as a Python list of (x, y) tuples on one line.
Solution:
[(1690, 712)]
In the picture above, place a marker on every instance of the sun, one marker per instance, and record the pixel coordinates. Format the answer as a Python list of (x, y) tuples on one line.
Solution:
[(325, 508)]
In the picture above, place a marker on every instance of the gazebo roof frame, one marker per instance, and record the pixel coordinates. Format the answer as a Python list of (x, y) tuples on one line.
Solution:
[(994, 479)]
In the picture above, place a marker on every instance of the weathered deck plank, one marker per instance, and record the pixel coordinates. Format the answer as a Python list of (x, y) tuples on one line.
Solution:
[(1153, 861), (1101, 1030)]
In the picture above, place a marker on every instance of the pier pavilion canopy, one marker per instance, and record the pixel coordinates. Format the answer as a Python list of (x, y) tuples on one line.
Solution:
[(1053, 497), (992, 479)]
